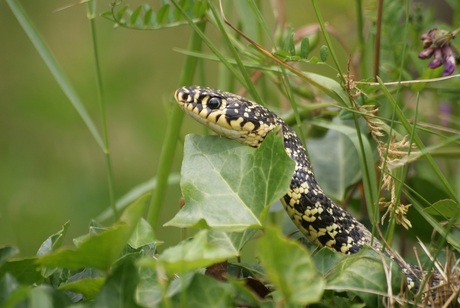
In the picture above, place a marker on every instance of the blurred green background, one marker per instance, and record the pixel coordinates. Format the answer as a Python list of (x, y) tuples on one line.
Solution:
[(51, 169)]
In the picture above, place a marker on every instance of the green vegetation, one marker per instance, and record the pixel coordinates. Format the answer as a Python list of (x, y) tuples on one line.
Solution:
[(382, 134)]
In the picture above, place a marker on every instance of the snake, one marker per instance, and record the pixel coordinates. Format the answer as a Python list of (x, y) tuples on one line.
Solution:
[(317, 216)]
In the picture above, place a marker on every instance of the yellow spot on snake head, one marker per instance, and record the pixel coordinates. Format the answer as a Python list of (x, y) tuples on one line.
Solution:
[(248, 126), (236, 124)]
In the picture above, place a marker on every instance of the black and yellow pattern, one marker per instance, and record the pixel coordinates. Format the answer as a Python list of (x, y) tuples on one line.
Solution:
[(316, 215)]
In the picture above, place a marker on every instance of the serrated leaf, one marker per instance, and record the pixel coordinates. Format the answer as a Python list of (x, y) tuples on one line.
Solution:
[(363, 271), (335, 155), (98, 250), (229, 186), (323, 53), (202, 250), (290, 268), (446, 208)]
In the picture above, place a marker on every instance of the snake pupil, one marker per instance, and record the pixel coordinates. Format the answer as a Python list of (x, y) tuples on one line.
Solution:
[(213, 103)]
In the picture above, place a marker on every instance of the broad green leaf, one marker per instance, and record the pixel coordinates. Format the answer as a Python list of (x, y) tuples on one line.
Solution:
[(54, 241), (290, 268), (335, 157), (45, 296), (6, 253), (247, 297), (228, 186), (364, 271), (202, 250), (204, 291), (120, 287), (25, 270), (142, 235), (8, 284), (326, 260), (89, 287), (98, 250), (446, 208)]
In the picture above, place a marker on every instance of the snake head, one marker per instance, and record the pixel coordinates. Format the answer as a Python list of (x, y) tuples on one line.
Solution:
[(227, 114)]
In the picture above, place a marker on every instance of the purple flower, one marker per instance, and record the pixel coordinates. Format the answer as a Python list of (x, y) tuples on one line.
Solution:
[(437, 43)]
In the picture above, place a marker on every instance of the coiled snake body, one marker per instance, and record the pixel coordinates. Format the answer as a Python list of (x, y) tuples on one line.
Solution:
[(315, 214)]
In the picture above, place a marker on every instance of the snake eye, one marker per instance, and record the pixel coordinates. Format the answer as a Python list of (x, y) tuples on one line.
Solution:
[(213, 103)]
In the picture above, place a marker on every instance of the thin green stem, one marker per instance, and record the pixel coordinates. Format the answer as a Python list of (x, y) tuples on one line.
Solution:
[(91, 9), (361, 42), (419, 143), (327, 39), (377, 39), (402, 174), (172, 133)]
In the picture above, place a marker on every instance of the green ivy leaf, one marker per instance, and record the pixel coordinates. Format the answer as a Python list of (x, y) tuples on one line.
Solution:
[(54, 241), (204, 249), (45, 296), (142, 235), (204, 291), (24, 270), (6, 253), (89, 287), (335, 155), (364, 271), (229, 186), (98, 250), (326, 260), (120, 287), (289, 267)]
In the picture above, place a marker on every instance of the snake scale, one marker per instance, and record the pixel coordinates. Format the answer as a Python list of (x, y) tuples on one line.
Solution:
[(316, 215)]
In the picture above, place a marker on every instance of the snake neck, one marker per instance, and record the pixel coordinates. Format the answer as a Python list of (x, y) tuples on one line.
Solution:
[(315, 214)]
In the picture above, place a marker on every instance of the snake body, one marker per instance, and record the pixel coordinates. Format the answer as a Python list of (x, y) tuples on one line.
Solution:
[(316, 215)]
